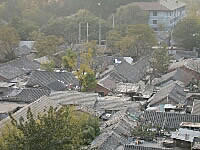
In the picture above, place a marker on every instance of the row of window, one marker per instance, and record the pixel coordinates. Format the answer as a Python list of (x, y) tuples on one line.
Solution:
[(155, 13), (171, 21)]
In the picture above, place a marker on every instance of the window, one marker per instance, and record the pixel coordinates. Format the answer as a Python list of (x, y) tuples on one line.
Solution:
[(155, 29), (170, 13), (155, 13), (154, 21)]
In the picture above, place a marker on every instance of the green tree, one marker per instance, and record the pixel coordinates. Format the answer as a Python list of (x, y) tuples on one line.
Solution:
[(85, 73), (186, 32), (126, 46), (63, 129), (24, 27), (50, 66), (69, 61), (137, 41), (144, 132), (131, 14), (144, 39), (9, 40), (68, 27), (47, 45), (160, 60), (113, 38), (89, 81), (86, 76)]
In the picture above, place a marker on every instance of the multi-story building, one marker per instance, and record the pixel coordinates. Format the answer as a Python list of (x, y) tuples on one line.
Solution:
[(164, 14)]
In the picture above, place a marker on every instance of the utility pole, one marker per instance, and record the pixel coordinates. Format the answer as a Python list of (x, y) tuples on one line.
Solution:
[(99, 32), (87, 31), (113, 21), (99, 4), (79, 35)]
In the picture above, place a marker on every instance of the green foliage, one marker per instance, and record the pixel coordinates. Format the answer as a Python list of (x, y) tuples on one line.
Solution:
[(131, 14), (187, 31), (68, 27), (144, 38), (9, 40), (86, 77), (136, 41), (48, 66), (50, 15), (24, 27), (85, 73), (62, 129), (47, 45), (144, 132), (113, 38), (160, 60), (89, 82), (69, 61), (92, 45)]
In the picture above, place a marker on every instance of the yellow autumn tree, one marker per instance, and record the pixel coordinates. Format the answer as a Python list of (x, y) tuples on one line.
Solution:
[(64, 129)]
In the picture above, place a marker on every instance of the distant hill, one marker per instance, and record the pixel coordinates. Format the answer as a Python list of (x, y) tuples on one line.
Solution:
[(107, 6)]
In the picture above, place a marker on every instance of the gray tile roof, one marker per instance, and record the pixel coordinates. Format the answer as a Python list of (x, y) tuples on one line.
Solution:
[(45, 78), (185, 135), (17, 67), (91, 100), (9, 72), (112, 103), (172, 4), (115, 132), (103, 61), (162, 5), (185, 54), (138, 147), (36, 107), (108, 141), (23, 63), (169, 120), (43, 60), (6, 107), (196, 107), (57, 86), (74, 98), (122, 127), (22, 51), (191, 64), (178, 74), (115, 76), (27, 95), (170, 94), (133, 73), (127, 87), (28, 44), (107, 82), (57, 99)]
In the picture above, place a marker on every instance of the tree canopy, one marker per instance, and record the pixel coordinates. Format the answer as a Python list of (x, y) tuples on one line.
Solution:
[(9, 40), (160, 60), (186, 32), (136, 40), (68, 27), (63, 129), (69, 61), (47, 45), (34, 15), (131, 14)]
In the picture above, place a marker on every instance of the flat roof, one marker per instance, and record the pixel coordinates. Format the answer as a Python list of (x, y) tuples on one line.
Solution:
[(190, 124), (6, 107)]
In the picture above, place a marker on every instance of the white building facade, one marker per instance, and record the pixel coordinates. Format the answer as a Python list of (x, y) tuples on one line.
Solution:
[(164, 14)]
